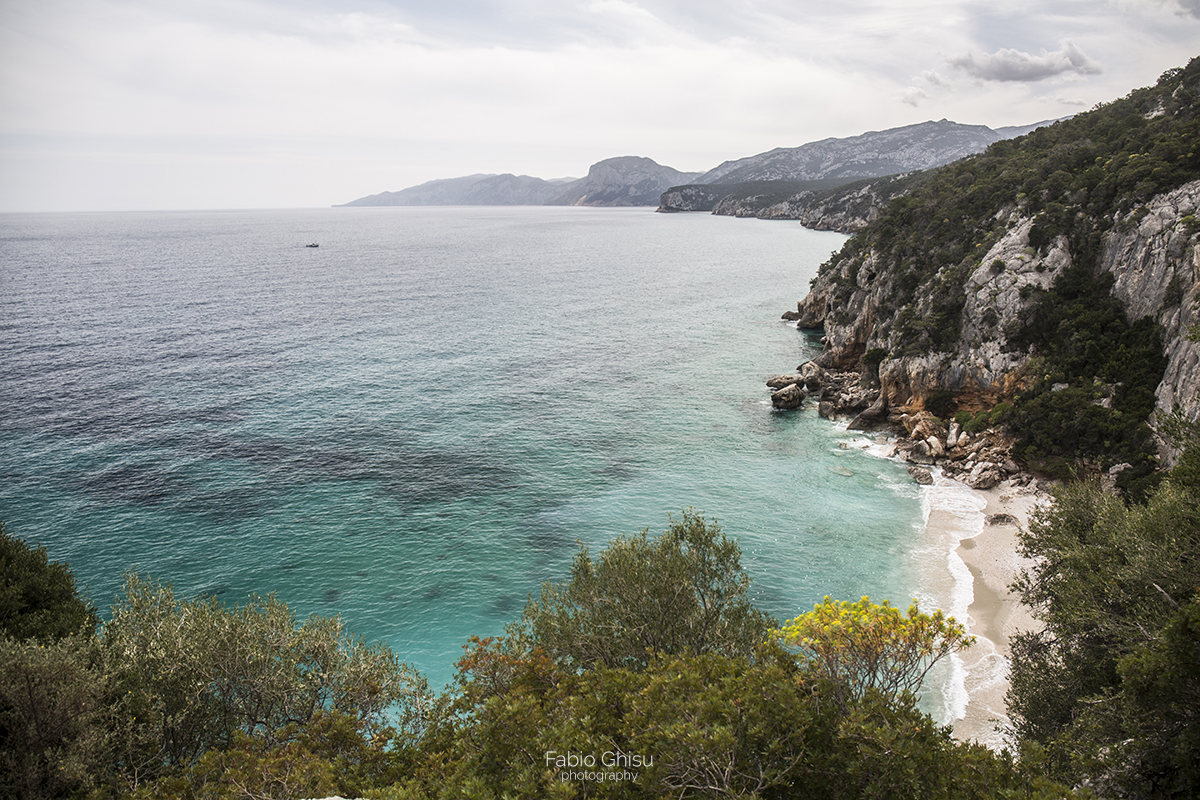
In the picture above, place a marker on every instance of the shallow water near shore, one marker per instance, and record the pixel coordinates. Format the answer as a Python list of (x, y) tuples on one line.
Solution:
[(418, 422)]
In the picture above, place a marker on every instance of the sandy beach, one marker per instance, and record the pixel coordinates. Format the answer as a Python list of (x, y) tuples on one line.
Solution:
[(994, 613)]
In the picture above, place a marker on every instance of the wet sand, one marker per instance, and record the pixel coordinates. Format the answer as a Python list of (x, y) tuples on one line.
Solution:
[(995, 614)]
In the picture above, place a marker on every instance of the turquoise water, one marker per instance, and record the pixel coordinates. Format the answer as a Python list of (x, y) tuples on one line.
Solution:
[(415, 424)]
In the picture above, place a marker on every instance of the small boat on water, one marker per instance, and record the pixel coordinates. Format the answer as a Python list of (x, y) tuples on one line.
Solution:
[(312, 244)]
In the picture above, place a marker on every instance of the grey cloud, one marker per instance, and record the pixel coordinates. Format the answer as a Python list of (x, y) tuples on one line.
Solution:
[(1190, 7), (1014, 65)]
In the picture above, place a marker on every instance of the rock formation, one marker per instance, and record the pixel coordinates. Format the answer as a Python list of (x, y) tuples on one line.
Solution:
[(1152, 254), (622, 181)]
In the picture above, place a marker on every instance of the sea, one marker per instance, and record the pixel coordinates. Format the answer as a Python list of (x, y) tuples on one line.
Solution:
[(417, 423)]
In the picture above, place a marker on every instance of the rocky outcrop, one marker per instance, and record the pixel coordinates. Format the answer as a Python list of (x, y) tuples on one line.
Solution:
[(980, 370), (693, 197), (981, 459), (845, 208), (1153, 255), (623, 181), (836, 393)]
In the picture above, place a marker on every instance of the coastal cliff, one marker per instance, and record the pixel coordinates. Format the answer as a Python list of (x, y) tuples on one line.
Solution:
[(953, 297)]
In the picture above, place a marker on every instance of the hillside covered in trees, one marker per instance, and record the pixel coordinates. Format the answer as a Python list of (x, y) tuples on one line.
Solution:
[(1053, 273), (646, 673)]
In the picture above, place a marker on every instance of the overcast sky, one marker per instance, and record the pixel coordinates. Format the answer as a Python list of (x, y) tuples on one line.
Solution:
[(160, 104)]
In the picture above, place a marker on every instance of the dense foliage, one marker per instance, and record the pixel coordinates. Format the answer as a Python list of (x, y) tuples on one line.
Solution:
[(682, 592), (188, 699), (1093, 382), (38, 598), (1111, 686)]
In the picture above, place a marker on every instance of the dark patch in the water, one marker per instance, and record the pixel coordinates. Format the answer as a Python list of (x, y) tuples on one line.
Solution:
[(362, 573), (549, 540), (507, 605), (140, 484), (332, 595)]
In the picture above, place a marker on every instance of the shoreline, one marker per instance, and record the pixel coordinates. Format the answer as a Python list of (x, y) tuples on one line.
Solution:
[(964, 560), (982, 560)]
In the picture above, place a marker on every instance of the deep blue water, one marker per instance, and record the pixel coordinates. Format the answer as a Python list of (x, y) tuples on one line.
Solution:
[(417, 423)]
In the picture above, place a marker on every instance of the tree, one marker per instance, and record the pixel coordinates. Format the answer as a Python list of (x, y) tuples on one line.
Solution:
[(54, 716), (682, 592), (38, 598), (690, 726), (196, 675), (1105, 686), (863, 647)]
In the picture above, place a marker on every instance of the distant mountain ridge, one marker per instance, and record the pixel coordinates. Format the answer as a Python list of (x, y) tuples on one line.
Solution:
[(620, 181), (471, 190), (640, 181), (868, 155)]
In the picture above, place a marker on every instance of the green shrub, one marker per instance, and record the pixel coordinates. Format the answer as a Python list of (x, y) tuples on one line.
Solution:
[(682, 591), (978, 422), (999, 413), (54, 717), (38, 598), (198, 674)]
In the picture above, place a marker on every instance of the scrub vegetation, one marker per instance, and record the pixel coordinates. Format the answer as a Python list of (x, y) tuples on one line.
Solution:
[(647, 674)]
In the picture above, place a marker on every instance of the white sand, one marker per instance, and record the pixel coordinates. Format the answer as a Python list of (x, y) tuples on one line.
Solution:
[(995, 614)]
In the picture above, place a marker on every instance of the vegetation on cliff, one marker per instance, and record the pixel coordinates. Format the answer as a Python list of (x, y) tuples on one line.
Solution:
[(900, 286)]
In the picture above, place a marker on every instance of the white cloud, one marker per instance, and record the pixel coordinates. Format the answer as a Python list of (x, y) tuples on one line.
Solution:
[(1014, 65)]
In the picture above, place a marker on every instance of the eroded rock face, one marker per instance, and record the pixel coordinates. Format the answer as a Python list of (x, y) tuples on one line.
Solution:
[(1152, 254), (1154, 258)]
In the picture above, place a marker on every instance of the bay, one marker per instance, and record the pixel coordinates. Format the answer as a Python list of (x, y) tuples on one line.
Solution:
[(418, 422)]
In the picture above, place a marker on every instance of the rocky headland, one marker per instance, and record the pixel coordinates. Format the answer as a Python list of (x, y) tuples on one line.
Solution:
[(1034, 307), (865, 368), (834, 184)]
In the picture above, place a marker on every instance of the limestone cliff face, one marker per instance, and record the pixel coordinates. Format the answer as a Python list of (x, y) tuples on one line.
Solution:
[(1154, 257), (1152, 253), (847, 208)]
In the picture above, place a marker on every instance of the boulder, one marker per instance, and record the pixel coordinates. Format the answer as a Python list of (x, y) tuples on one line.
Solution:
[(783, 381), (935, 447), (921, 475), (869, 417), (919, 454), (787, 398), (984, 475)]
